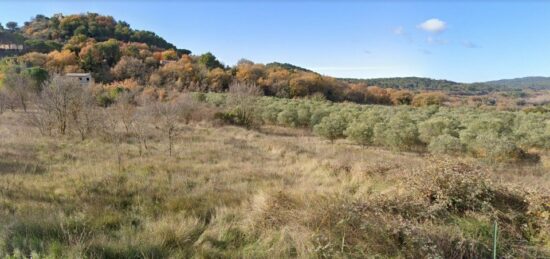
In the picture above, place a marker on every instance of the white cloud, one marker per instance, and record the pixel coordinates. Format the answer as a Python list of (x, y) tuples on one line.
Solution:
[(433, 25)]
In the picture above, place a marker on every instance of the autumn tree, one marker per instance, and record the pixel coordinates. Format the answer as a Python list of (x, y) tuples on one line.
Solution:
[(401, 97), (429, 98), (249, 73), (275, 83), (60, 62), (129, 67), (218, 80), (356, 93), (303, 84), (169, 55), (377, 95), (33, 59)]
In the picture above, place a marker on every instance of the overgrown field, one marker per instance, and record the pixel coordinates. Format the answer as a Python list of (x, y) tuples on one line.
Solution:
[(211, 190), (484, 133)]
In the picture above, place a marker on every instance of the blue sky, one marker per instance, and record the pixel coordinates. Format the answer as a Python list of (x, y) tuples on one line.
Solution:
[(462, 41)]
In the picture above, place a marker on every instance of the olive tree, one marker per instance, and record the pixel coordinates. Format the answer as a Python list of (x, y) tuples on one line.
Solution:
[(437, 126), (331, 127), (446, 144), (360, 133)]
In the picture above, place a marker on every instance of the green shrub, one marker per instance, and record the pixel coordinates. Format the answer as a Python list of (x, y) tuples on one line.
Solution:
[(216, 99), (331, 127), (360, 133), (437, 126), (304, 116), (234, 117), (446, 144), (288, 117), (399, 133), (317, 116), (497, 149), (270, 113)]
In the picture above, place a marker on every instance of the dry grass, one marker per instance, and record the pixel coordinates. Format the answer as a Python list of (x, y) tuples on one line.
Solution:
[(230, 192)]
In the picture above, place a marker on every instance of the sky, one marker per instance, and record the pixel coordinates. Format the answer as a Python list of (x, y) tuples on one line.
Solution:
[(465, 41)]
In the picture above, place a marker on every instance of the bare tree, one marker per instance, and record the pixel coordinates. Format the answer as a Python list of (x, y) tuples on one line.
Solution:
[(86, 115), (61, 100), (4, 99), (169, 116), (141, 128), (111, 133), (242, 98), (19, 87), (126, 111)]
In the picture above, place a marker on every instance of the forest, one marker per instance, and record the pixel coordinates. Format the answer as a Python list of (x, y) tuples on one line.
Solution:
[(174, 155)]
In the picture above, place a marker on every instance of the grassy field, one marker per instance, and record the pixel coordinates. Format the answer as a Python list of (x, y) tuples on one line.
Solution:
[(269, 193)]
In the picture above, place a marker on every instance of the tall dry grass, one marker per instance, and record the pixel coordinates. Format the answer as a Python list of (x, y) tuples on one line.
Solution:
[(228, 192)]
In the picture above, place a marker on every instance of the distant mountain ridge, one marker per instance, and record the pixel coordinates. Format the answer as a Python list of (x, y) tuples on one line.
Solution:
[(531, 82), (423, 83)]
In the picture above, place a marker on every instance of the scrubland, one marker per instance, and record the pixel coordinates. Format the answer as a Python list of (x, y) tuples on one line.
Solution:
[(213, 190)]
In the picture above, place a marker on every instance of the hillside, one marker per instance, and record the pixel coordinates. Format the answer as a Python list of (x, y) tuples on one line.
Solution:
[(534, 82), (118, 55), (421, 83)]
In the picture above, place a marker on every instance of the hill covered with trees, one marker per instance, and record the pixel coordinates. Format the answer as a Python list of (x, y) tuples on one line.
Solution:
[(429, 84), (533, 82), (121, 57)]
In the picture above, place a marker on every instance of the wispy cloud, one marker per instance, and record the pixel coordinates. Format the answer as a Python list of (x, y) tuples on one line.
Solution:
[(433, 25), (470, 45), (399, 30), (368, 52)]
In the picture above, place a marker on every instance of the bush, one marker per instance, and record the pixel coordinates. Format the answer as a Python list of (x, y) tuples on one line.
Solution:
[(237, 118), (446, 144), (437, 126), (331, 127), (317, 116), (288, 117), (304, 116), (399, 133), (497, 149), (430, 98), (360, 133)]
